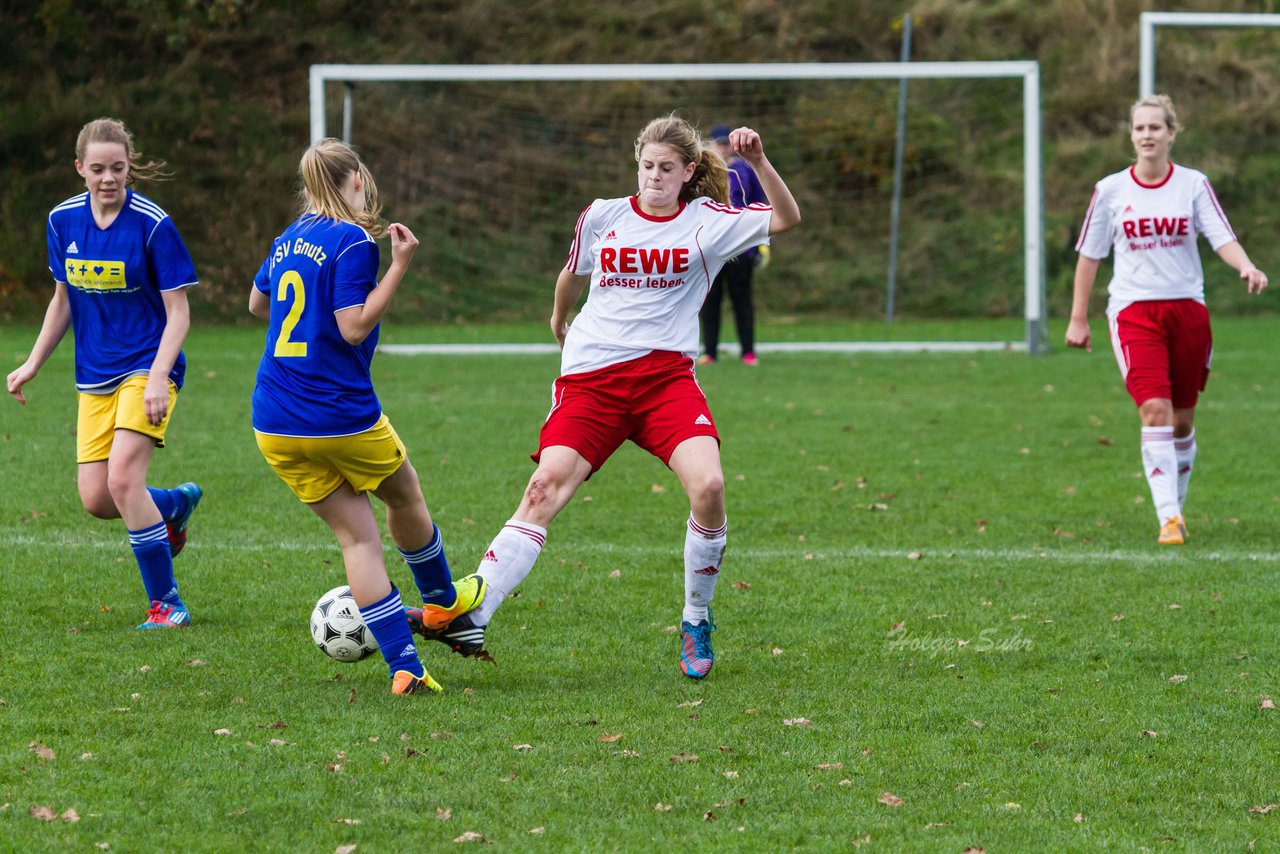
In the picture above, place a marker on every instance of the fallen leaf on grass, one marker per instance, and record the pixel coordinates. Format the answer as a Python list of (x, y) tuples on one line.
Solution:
[(1150, 733), (470, 836), (684, 757), (351, 698), (1262, 810), (42, 813), (443, 814), (777, 650), (222, 731), (522, 747), (830, 766), (975, 850), (661, 807), (195, 662), (858, 843), (1106, 441), (688, 704), (1012, 806), (797, 722), (442, 736), (42, 752), (333, 767), (976, 724), (617, 573), (351, 821), (537, 831), (732, 775), (890, 800), (510, 778), (1267, 703), (740, 585), (915, 555), (709, 816), (1117, 618), (277, 742), (85, 757), (610, 739), (1178, 677), (1175, 607), (630, 754), (846, 782), (345, 849), (1078, 818)]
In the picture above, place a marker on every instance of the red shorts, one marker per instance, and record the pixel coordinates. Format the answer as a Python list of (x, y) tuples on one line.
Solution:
[(654, 401), (1163, 348)]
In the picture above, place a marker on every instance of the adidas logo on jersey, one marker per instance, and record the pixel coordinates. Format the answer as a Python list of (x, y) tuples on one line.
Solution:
[(702, 419), (73, 249), (1127, 209), (489, 555), (612, 235)]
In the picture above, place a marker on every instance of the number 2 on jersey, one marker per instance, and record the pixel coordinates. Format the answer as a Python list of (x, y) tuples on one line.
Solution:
[(285, 346)]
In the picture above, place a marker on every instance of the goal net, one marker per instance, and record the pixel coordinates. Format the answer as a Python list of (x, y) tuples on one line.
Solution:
[(491, 166)]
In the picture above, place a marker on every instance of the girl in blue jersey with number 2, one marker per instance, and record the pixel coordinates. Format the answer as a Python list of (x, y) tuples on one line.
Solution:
[(120, 274), (317, 419)]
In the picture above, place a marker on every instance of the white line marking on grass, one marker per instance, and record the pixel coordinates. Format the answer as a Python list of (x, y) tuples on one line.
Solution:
[(764, 347), (1166, 556)]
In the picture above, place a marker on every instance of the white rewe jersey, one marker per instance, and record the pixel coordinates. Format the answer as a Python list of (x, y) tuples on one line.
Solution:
[(1153, 228), (650, 275)]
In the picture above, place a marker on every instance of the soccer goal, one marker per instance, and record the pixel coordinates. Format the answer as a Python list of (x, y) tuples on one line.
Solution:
[(1149, 21), (493, 163)]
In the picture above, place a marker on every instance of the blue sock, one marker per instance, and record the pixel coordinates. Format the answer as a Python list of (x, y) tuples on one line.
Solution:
[(431, 571), (385, 618), (170, 502), (151, 549)]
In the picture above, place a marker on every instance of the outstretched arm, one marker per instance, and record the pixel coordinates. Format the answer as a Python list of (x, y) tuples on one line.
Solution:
[(786, 213), (57, 319), (1233, 253), (1078, 334)]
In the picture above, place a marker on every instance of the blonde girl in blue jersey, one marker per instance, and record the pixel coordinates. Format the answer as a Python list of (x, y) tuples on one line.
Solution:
[(120, 274), (317, 419)]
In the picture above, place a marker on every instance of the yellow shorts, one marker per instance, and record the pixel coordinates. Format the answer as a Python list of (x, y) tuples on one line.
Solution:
[(101, 415), (315, 467)]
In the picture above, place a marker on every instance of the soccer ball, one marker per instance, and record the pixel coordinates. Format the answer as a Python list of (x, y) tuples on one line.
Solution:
[(337, 628)]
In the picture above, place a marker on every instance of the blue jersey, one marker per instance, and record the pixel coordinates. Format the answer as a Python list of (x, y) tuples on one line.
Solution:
[(311, 382), (745, 189), (114, 277)]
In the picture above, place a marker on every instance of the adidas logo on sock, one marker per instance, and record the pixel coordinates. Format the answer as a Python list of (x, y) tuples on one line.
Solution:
[(1157, 470), (489, 555), (702, 419), (408, 651), (707, 570), (73, 249)]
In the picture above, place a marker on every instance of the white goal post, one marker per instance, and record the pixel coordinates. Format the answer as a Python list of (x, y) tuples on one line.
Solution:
[(1148, 22), (1028, 71)]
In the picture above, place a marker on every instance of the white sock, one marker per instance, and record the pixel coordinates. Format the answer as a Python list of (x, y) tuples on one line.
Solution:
[(509, 559), (1160, 463), (1186, 448), (703, 552)]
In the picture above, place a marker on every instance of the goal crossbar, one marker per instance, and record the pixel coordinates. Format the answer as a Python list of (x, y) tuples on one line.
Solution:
[(1027, 70), (1148, 21)]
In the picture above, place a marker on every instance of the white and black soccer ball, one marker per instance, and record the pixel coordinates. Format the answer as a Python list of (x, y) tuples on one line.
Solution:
[(338, 629)]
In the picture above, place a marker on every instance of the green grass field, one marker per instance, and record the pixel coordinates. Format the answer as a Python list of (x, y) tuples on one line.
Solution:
[(944, 623)]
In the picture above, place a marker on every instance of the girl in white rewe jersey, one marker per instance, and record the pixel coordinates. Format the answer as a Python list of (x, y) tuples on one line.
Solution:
[(627, 366), (1151, 213)]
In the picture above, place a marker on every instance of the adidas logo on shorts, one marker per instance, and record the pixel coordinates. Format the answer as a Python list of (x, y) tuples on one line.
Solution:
[(489, 555)]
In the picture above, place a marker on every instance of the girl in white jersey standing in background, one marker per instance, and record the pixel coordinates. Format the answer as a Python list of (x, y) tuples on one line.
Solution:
[(1151, 213), (627, 364)]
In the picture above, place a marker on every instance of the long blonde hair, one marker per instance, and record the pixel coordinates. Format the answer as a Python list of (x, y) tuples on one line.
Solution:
[(1162, 102), (325, 167), (113, 130), (710, 178)]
